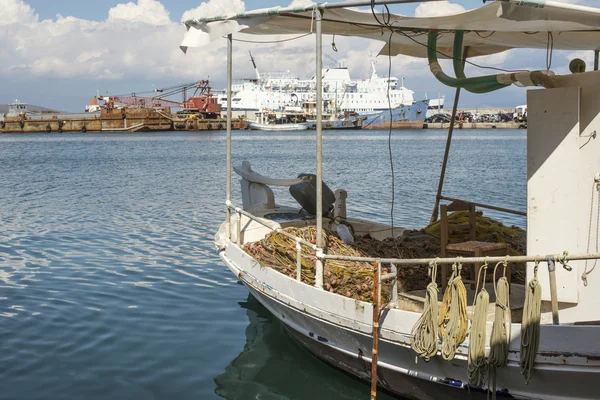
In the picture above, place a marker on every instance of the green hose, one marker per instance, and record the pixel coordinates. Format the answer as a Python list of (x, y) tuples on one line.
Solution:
[(459, 69), (482, 84)]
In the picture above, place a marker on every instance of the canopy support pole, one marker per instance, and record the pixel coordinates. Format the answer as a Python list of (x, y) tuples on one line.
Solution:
[(319, 45), (438, 197), (229, 79), (596, 53)]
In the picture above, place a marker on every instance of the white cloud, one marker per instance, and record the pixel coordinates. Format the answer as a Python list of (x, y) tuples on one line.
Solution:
[(301, 3), (139, 40), (16, 12), (147, 11), (214, 7), (437, 8)]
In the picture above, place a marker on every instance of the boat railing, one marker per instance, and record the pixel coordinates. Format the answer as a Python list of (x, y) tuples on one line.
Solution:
[(489, 207), (396, 263)]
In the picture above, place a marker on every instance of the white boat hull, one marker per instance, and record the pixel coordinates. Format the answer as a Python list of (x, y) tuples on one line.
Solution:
[(337, 330), (276, 127)]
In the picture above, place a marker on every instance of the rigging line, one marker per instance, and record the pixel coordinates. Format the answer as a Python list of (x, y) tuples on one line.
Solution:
[(484, 37), (273, 41), (467, 61), (549, 50), (386, 23)]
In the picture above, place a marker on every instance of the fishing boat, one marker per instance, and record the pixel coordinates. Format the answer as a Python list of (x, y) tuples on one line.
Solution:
[(288, 120), (447, 340), (257, 126)]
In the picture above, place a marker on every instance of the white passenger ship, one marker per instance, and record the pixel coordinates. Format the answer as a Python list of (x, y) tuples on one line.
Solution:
[(341, 94)]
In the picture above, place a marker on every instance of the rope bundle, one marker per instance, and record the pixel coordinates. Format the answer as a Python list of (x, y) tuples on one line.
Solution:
[(477, 369), (423, 337), (500, 338), (452, 319), (530, 327)]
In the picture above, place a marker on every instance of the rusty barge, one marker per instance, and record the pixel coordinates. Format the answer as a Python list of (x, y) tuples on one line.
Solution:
[(126, 114)]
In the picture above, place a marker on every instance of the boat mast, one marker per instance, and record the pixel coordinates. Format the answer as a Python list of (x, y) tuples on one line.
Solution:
[(319, 129), (254, 64), (229, 84), (438, 197)]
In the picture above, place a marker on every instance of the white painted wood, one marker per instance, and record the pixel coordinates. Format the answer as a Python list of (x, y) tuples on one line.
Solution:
[(553, 201)]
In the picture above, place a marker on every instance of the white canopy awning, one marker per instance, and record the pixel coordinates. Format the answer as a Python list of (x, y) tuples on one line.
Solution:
[(493, 28)]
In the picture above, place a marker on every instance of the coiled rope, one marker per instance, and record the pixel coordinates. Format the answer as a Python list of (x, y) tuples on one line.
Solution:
[(530, 327), (424, 335), (478, 367), (500, 338), (452, 319)]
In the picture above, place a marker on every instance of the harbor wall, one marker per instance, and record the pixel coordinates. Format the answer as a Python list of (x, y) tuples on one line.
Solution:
[(475, 125), (111, 120)]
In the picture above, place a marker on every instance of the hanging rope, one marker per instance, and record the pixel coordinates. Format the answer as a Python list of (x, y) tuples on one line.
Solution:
[(500, 338), (478, 367), (530, 327), (586, 272), (424, 335), (452, 319)]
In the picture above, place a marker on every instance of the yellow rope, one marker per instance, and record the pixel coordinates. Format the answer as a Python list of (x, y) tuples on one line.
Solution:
[(530, 327), (423, 337), (452, 320), (477, 362), (500, 338)]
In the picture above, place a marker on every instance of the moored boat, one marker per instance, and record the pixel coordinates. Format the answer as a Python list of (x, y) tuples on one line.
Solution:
[(533, 341), (252, 125)]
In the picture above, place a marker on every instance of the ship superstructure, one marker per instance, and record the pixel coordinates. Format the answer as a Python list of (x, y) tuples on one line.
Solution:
[(341, 93)]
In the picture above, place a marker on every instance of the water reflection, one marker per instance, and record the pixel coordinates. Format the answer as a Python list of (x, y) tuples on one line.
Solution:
[(274, 366)]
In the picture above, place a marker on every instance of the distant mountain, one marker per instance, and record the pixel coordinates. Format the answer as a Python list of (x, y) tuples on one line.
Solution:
[(30, 108)]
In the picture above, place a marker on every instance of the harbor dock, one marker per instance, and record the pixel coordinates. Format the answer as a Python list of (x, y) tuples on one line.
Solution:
[(124, 120), (476, 125)]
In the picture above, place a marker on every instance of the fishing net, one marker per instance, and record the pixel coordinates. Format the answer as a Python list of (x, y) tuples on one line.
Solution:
[(355, 279)]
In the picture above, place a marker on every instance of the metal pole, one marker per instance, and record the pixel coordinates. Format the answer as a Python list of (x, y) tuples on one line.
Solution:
[(375, 349), (229, 79), (596, 53), (434, 214), (319, 262), (553, 292)]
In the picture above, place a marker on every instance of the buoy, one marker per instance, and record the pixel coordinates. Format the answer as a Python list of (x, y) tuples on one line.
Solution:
[(220, 127), (209, 127), (83, 129), (48, 128)]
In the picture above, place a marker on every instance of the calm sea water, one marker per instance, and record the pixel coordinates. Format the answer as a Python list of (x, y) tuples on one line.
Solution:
[(109, 285)]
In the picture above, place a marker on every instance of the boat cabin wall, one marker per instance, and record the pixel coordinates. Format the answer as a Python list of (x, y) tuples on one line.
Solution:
[(562, 164)]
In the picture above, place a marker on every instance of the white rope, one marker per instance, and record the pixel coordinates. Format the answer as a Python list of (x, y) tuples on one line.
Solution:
[(452, 320), (530, 327), (478, 367), (500, 337), (424, 335)]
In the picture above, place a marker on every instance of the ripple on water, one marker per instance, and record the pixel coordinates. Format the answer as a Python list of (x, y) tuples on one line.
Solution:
[(110, 284)]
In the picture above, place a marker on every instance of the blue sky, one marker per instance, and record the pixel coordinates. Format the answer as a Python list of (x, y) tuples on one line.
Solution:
[(59, 53)]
